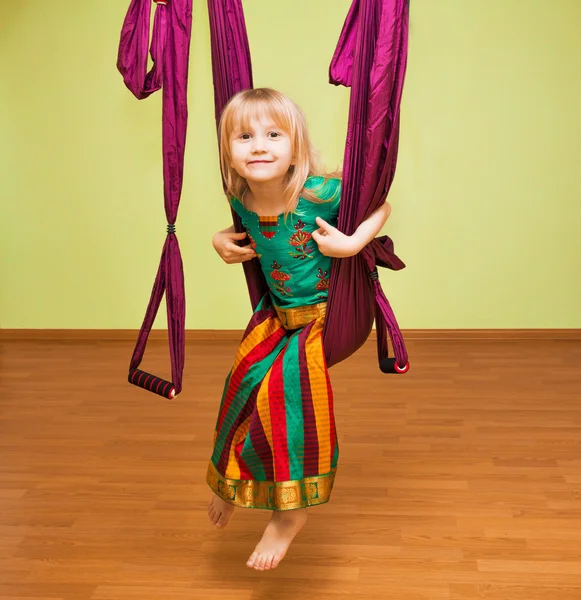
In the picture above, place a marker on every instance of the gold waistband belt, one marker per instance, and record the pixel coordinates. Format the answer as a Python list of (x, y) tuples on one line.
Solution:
[(299, 316)]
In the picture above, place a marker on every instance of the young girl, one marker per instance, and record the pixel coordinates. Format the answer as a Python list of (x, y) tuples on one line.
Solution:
[(275, 442)]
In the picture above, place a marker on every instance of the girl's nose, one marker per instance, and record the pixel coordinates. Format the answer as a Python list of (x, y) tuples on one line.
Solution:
[(257, 144)]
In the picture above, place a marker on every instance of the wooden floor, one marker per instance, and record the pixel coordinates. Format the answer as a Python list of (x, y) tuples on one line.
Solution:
[(458, 480)]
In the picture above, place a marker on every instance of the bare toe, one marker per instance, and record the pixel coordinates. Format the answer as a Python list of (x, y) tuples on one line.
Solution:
[(275, 561), (220, 512), (264, 562), (252, 559), (211, 514)]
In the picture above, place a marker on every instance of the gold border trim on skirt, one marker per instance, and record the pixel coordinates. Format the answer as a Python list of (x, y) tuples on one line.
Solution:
[(272, 495)]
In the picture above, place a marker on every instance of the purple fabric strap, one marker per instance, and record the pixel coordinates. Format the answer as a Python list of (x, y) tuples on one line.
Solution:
[(371, 59), (232, 73), (170, 46)]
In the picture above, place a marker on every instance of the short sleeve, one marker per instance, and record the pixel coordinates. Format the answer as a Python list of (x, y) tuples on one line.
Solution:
[(334, 186), (331, 191), (237, 207)]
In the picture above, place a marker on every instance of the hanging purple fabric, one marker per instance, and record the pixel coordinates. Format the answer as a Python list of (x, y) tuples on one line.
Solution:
[(371, 59), (232, 73), (170, 54)]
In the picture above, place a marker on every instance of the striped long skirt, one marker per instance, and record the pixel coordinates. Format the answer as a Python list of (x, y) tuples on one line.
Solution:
[(275, 442)]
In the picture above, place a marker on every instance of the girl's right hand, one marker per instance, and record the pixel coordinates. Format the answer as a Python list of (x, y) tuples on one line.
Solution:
[(229, 252)]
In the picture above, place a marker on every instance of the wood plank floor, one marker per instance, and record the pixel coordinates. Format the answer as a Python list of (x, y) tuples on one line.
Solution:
[(458, 480)]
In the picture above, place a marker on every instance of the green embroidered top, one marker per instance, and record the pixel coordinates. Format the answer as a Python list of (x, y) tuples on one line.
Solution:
[(295, 270)]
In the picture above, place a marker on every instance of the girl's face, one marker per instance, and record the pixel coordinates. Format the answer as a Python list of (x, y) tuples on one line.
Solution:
[(262, 152)]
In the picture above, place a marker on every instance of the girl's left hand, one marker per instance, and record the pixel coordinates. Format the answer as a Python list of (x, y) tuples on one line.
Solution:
[(332, 242)]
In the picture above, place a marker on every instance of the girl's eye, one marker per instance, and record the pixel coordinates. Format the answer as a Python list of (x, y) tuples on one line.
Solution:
[(247, 134)]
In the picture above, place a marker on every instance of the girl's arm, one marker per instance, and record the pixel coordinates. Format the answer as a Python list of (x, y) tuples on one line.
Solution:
[(369, 229), (224, 243), (332, 242)]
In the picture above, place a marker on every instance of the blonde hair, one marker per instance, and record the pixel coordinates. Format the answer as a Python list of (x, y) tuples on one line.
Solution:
[(266, 102)]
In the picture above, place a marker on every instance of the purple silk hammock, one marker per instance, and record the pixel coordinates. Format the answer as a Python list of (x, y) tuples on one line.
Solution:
[(371, 58)]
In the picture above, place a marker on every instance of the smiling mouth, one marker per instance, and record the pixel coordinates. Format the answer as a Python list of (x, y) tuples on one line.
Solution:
[(254, 162)]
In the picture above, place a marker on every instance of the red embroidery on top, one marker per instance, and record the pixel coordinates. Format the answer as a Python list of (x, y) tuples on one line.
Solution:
[(323, 284), (253, 243), (300, 240), (280, 278)]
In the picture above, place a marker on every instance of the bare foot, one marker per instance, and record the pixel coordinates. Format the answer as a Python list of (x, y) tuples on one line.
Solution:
[(278, 535), (219, 511)]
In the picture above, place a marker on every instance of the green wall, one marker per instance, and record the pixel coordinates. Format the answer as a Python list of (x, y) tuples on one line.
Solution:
[(486, 199)]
